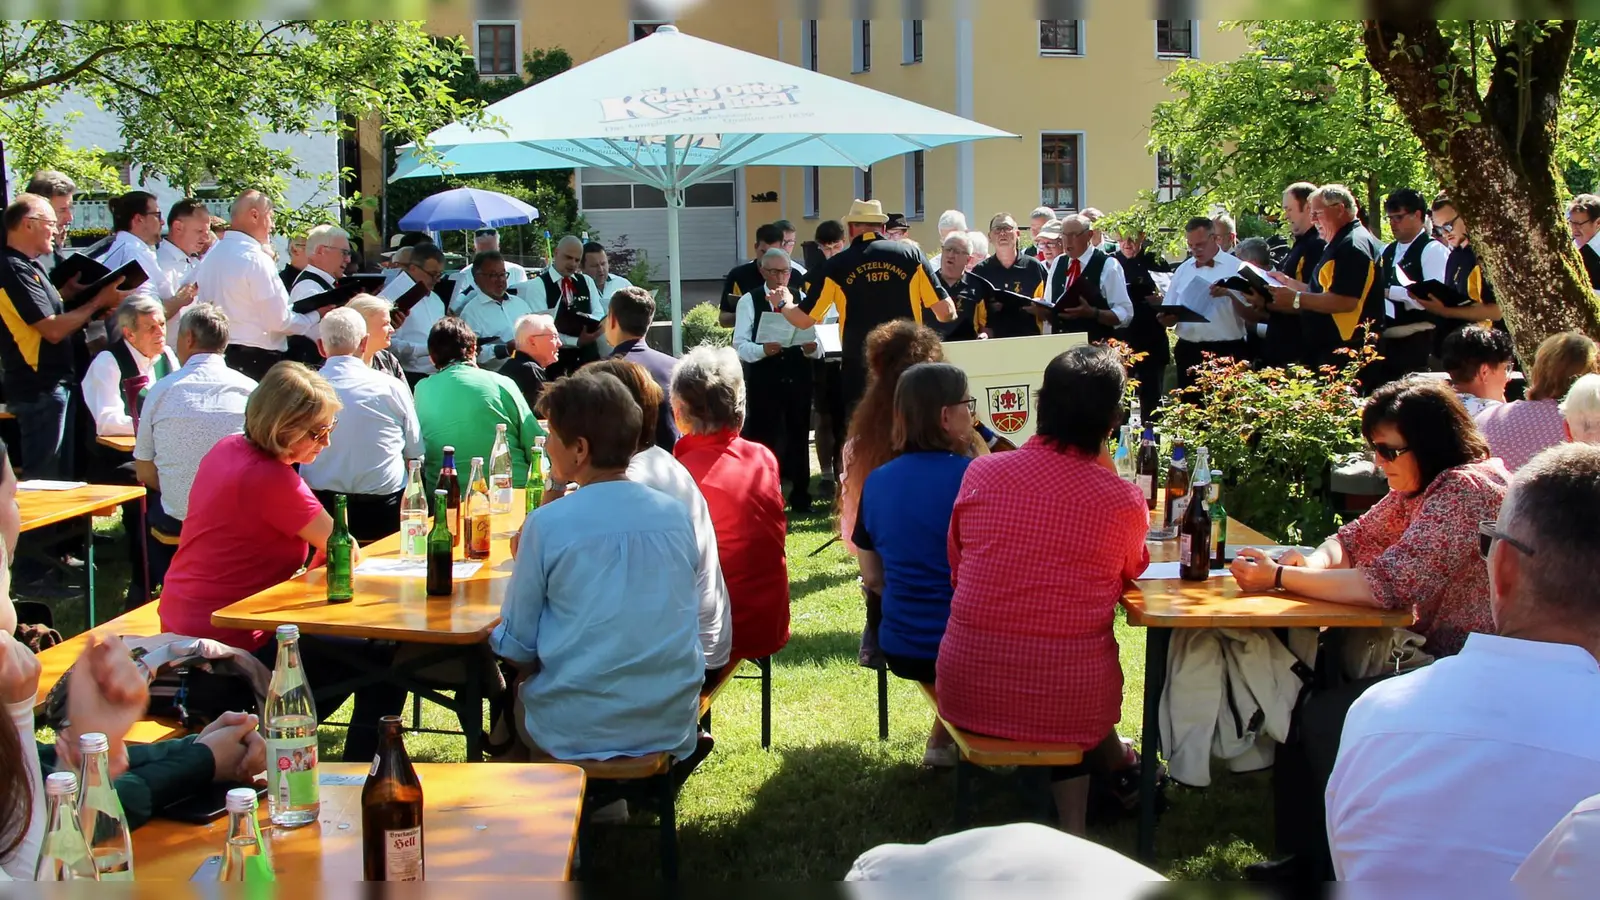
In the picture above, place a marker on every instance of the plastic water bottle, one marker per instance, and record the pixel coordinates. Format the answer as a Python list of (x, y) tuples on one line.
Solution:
[(414, 516), (500, 473), (291, 726)]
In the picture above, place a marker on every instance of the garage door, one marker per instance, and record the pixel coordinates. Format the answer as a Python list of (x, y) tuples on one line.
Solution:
[(707, 225)]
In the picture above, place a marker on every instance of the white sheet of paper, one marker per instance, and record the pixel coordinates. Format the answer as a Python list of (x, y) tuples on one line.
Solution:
[(1195, 293), (828, 337), (41, 484), (1163, 280), (1168, 571), (775, 329), (404, 569)]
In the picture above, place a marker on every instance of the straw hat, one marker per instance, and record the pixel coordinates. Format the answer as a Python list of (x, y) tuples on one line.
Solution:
[(865, 212)]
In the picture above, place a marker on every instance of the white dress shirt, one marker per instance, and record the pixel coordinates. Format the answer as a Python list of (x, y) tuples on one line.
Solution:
[(614, 283), (376, 433), (178, 265), (185, 415), (1190, 287), (488, 317), (309, 288), (1570, 852), (102, 389), (745, 320), (532, 290), (126, 248), (1434, 255), (239, 277), (410, 341), (515, 274), (1113, 285), (1461, 767)]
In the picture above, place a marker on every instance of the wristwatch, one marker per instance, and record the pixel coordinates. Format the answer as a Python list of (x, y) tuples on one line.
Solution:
[(1277, 577), (1297, 300)]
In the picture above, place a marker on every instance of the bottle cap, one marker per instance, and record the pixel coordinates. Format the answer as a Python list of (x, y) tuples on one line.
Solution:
[(59, 783), (241, 800), (500, 427), (93, 742), (288, 633)]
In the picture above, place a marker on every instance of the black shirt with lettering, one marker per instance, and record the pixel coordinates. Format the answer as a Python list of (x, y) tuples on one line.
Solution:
[(873, 281), (1349, 268), (31, 364), (1026, 276)]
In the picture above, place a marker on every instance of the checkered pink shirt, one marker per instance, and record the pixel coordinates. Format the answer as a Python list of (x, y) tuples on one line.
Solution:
[(1042, 542)]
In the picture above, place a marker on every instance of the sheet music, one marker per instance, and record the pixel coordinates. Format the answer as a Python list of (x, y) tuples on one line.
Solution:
[(775, 329), (828, 338)]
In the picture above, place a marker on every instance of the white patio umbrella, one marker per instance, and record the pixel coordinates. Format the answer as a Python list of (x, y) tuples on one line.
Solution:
[(672, 111)]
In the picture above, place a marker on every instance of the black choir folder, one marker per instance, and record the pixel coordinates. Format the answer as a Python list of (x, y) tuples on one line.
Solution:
[(128, 277), (1440, 291), (1182, 313), (1248, 281), (344, 290), (77, 264)]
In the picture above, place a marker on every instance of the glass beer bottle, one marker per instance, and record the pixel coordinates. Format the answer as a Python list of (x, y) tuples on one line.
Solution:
[(441, 551), (391, 811), (450, 483), (1194, 534), (1177, 481), (533, 494), (341, 554), (476, 526), (500, 472), (1149, 468)]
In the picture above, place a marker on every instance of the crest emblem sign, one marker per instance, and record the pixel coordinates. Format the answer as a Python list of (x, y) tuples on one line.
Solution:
[(1008, 408)]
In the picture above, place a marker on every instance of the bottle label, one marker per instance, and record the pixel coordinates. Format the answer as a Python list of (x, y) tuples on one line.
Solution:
[(1184, 543), (415, 537), (478, 534), (402, 854), (1146, 483), (292, 770), (1179, 507), (501, 495)]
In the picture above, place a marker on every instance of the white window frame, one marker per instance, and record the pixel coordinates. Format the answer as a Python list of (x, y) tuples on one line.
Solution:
[(810, 58), (1181, 191), (860, 46), (862, 177), (1194, 40), (811, 177), (516, 48), (915, 213), (1052, 53), (910, 31), (635, 22), (1083, 167)]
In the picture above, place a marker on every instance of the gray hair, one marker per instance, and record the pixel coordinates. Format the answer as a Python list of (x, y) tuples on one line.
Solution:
[(366, 305), (324, 236), (1255, 251), (978, 244), (1553, 506), (135, 308), (50, 183), (1581, 408), (952, 220), (1092, 214), (1042, 212), (1330, 194), (207, 325), (341, 331), (958, 239), (775, 253), (1222, 223), (708, 389), (527, 324)]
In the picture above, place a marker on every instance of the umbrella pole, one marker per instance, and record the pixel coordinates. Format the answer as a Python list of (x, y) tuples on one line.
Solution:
[(675, 270)]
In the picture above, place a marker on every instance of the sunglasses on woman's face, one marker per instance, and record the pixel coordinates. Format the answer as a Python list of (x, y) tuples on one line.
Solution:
[(321, 434), (1488, 534), (1390, 454)]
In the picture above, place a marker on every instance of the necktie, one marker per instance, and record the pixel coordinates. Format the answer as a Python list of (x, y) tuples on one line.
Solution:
[(567, 290), (1073, 271)]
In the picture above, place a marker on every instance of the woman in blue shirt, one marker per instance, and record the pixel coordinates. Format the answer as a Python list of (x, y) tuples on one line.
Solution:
[(602, 614), (903, 525)]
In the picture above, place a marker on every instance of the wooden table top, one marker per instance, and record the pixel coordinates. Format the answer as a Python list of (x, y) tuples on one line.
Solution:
[(500, 822), (123, 442), (54, 663), (1238, 533), (388, 607), (41, 508)]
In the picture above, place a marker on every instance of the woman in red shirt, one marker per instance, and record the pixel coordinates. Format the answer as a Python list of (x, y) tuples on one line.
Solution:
[(739, 479), (1042, 542)]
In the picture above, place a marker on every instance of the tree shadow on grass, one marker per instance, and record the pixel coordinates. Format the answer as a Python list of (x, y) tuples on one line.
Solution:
[(820, 648)]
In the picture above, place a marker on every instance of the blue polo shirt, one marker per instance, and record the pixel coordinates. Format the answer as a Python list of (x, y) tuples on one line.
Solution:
[(905, 518)]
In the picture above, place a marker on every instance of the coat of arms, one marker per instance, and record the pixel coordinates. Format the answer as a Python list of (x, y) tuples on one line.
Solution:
[(1008, 408)]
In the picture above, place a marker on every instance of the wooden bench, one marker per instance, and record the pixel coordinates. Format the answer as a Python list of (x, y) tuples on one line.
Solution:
[(982, 750), (54, 663)]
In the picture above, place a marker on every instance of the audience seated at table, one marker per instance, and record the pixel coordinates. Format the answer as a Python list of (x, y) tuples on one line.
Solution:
[(460, 405), (602, 614), (1417, 550), (903, 524), (654, 467), (251, 522), (740, 483), (185, 414), (891, 348), (1459, 769), (374, 436), (1580, 411), (538, 345), (1042, 541), (1478, 360), (1517, 431), (379, 316)]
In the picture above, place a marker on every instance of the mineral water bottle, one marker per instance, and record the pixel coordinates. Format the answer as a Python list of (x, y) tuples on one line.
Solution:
[(64, 854), (1124, 456), (246, 857), (414, 516), (291, 725), (500, 473), (100, 814)]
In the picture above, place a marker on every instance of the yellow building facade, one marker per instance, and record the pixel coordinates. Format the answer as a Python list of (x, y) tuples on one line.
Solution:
[(1077, 92)]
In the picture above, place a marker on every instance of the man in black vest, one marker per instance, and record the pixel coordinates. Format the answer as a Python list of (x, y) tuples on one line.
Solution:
[(571, 298), (1103, 306), (327, 249), (1282, 343), (1145, 334), (1583, 217), (746, 276), (1412, 257), (777, 378)]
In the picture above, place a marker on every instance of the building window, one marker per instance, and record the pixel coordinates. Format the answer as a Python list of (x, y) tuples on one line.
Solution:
[(916, 186), (1170, 183), (808, 45), (497, 48), (813, 178), (911, 41), (864, 183), (1174, 37), (638, 29), (1060, 171), (862, 51), (1060, 37)]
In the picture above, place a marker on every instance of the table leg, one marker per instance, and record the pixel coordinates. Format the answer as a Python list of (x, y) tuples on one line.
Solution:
[(143, 537), (1156, 642), (88, 566), (470, 697)]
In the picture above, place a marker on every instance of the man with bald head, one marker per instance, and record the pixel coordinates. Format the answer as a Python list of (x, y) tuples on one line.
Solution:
[(240, 277), (573, 300)]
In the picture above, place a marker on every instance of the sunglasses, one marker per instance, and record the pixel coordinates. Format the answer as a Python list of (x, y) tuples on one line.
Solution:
[(1446, 227), (1488, 534), (1390, 453), (321, 434), (971, 403)]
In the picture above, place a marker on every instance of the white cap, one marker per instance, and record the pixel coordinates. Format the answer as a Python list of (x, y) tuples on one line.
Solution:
[(288, 632), (93, 742), (59, 783), (241, 800)]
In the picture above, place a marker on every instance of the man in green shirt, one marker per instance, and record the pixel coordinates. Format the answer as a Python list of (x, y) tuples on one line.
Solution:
[(461, 405)]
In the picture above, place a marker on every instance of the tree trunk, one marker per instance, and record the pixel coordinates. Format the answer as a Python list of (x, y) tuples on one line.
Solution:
[(1495, 156)]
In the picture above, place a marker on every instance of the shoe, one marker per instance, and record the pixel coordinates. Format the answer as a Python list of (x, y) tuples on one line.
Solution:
[(940, 757), (610, 814), (800, 507), (870, 656), (1287, 870)]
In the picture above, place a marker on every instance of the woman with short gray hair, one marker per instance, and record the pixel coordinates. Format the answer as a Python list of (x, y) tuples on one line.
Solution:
[(740, 482)]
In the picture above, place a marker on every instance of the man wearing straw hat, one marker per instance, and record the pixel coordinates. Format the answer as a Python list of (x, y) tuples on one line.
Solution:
[(872, 281)]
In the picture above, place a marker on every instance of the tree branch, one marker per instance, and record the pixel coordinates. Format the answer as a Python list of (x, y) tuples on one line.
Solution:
[(62, 76)]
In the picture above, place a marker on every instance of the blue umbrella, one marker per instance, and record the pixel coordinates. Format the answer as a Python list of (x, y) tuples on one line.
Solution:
[(467, 208)]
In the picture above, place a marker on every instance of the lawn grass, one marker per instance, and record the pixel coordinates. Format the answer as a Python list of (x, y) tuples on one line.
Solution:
[(828, 789)]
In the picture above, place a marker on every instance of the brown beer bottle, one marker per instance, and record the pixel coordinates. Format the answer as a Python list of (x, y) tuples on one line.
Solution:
[(1177, 481), (1194, 533), (1149, 466), (391, 811), (450, 483)]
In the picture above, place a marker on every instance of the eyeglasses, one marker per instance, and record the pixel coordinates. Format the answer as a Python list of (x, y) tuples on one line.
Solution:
[(971, 404), (1488, 534), (1004, 228), (431, 273), (1447, 227), (346, 251), (1399, 216), (319, 435), (49, 220), (1390, 453), (776, 271), (1576, 222)]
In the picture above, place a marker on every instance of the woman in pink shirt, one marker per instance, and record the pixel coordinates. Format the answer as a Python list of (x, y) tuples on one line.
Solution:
[(252, 522), (1517, 431)]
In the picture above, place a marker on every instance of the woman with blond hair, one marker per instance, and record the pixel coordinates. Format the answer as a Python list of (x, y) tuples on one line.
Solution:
[(1517, 431)]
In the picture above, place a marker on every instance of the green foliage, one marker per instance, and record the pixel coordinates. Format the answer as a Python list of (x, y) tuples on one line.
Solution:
[(1578, 120), (1275, 434), (700, 326)]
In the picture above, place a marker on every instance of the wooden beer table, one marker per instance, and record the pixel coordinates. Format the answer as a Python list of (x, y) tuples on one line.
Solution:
[(512, 822), (122, 442), (41, 508), (1218, 602), (398, 608)]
